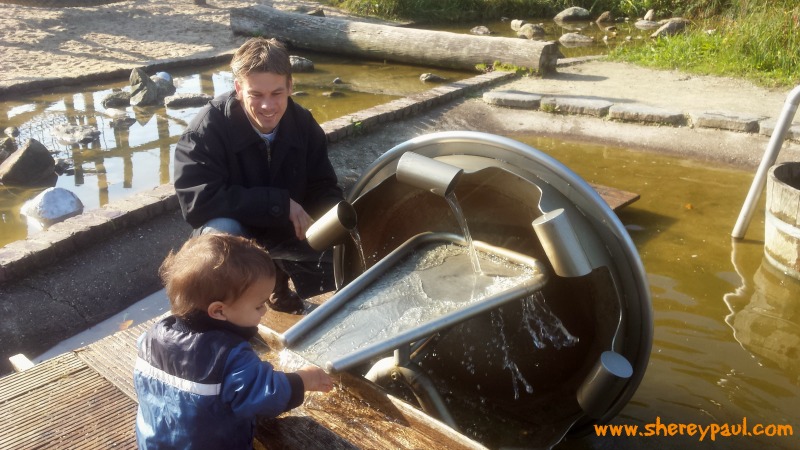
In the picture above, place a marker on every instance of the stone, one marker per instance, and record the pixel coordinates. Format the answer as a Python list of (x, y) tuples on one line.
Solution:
[(650, 15), (187, 100), (31, 165), (431, 78), (575, 40), (646, 24), (767, 127), (8, 146), (531, 31), (52, 205), (481, 30), (513, 99), (727, 121), (582, 106), (573, 13), (605, 17), (164, 85), (647, 114), (671, 27), (11, 132), (117, 99), (516, 24), (300, 64), (144, 91)]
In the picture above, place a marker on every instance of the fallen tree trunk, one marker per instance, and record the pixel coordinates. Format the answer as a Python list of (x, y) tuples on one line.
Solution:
[(406, 45)]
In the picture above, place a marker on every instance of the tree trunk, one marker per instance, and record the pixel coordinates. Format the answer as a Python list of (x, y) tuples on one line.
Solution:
[(405, 45)]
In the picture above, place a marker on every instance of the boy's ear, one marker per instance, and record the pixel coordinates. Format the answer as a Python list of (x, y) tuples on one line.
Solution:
[(216, 310)]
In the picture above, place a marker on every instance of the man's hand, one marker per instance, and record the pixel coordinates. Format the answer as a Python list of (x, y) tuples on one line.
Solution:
[(300, 219)]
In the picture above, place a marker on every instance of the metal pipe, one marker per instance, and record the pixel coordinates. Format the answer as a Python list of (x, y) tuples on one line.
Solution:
[(561, 244), (769, 158), (427, 173), (385, 371), (333, 227), (600, 387)]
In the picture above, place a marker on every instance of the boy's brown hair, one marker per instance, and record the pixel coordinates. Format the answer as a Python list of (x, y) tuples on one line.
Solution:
[(261, 55), (212, 267)]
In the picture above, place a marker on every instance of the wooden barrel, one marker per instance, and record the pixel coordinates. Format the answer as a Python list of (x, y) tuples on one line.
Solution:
[(782, 226)]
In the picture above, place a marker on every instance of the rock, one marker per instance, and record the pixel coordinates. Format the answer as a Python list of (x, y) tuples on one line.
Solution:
[(187, 100), (646, 24), (300, 94), (575, 40), (481, 30), (11, 132), (8, 146), (337, 80), (52, 205), (144, 91), (516, 24), (115, 113), (333, 94), (431, 78), (164, 84), (318, 12), (122, 123), (65, 166), (573, 13), (28, 166), (117, 99), (671, 27), (650, 15), (69, 134), (531, 31), (605, 17), (300, 64)]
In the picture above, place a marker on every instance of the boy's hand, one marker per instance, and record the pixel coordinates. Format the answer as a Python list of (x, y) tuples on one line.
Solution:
[(315, 379)]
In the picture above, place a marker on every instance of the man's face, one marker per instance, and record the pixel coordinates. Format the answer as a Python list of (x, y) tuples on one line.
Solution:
[(264, 96)]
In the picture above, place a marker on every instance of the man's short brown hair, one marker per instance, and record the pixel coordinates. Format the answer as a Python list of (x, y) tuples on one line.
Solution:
[(261, 55), (213, 267)]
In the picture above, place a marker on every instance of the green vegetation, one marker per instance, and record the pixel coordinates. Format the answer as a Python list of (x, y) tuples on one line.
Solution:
[(751, 39), (758, 42)]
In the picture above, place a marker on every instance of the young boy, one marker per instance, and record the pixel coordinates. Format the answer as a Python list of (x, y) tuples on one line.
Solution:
[(200, 385)]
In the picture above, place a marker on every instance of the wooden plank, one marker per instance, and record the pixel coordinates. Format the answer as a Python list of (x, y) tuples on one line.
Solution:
[(17, 384), (70, 406), (113, 357), (616, 198)]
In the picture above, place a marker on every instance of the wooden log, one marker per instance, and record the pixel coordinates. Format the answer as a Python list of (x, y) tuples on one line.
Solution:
[(405, 45)]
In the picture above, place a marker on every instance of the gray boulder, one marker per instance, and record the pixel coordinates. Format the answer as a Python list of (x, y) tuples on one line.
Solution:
[(575, 40), (481, 30), (671, 27), (187, 100), (431, 78), (531, 31), (516, 24), (52, 205), (650, 15), (8, 146), (605, 17), (144, 91), (28, 166), (164, 85), (300, 64), (573, 13)]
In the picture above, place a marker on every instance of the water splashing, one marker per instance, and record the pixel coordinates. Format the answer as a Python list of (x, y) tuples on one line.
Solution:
[(462, 222)]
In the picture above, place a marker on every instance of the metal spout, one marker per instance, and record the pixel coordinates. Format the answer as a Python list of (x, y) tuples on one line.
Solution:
[(427, 173), (561, 244), (601, 386), (333, 227)]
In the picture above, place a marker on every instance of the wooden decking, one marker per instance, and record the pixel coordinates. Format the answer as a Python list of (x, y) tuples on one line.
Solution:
[(85, 399)]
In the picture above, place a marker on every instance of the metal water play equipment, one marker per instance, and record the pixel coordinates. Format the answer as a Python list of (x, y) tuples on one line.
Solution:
[(487, 282)]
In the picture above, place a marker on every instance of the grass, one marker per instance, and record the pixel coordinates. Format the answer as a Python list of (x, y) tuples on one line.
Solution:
[(761, 45)]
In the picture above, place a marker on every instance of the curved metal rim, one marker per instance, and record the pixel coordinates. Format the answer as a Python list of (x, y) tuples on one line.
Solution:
[(594, 206)]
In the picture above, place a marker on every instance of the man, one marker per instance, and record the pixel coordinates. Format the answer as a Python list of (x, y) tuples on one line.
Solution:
[(254, 163)]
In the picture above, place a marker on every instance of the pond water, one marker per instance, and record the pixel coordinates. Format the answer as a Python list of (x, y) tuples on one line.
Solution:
[(727, 325), (127, 160)]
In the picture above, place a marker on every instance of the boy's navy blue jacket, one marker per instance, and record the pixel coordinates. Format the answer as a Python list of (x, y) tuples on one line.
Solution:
[(200, 385)]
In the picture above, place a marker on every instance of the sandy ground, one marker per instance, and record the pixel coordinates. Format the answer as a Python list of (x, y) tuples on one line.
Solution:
[(67, 44)]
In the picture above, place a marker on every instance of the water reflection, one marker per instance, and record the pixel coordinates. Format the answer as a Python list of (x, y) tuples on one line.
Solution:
[(713, 358), (765, 314), (134, 153)]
